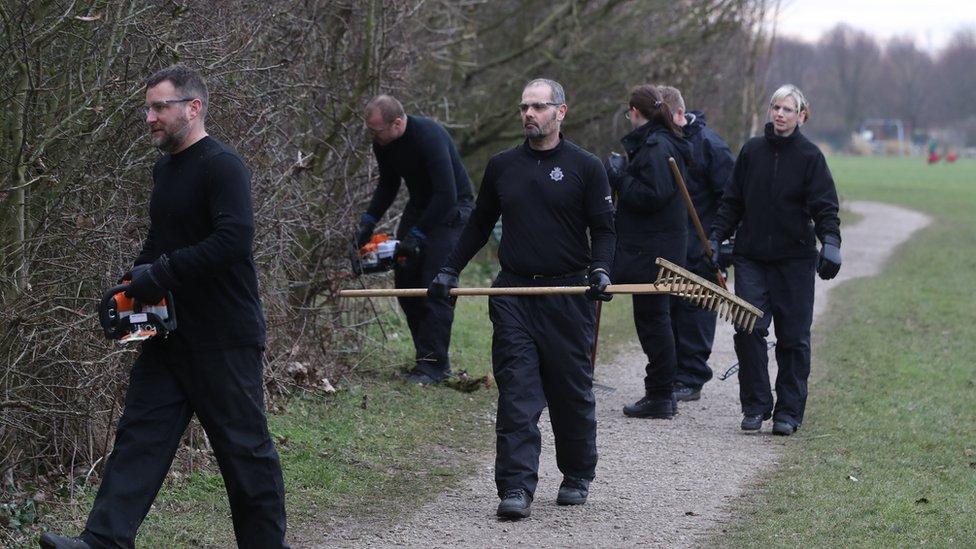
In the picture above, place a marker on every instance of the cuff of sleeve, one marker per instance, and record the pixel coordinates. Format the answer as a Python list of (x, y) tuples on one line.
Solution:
[(832, 239), (163, 274), (367, 218)]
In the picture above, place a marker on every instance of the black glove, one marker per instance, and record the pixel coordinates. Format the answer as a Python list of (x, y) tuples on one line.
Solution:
[(440, 287), (828, 264), (365, 231), (716, 260), (412, 245), (725, 253), (616, 166), (133, 272), (150, 285), (599, 280)]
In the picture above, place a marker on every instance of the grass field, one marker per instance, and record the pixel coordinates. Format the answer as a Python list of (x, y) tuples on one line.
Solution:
[(893, 390)]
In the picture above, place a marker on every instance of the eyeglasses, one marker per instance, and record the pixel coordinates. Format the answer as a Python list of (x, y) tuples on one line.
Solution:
[(627, 114), (786, 110), (377, 131), (537, 107), (159, 106)]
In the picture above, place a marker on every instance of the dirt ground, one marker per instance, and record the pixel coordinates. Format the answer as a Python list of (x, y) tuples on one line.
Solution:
[(658, 483)]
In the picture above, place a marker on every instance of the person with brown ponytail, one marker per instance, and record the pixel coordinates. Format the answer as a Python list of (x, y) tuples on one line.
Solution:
[(651, 222)]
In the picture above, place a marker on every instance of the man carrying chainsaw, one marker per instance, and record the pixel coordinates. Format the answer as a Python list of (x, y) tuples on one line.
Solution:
[(419, 152), (198, 250), (708, 175), (549, 192)]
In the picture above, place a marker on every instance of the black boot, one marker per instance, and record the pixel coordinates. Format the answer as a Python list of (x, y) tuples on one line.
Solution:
[(516, 504), (753, 422), (784, 428), (54, 541), (573, 491), (684, 393), (653, 407)]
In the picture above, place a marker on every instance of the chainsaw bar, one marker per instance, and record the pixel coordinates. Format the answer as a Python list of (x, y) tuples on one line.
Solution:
[(707, 295)]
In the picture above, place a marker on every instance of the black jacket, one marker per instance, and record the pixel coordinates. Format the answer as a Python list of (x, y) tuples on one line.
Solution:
[(425, 158), (648, 200), (781, 196), (707, 178)]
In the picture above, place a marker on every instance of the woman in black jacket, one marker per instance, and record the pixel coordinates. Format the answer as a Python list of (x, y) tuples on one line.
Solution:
[(780, 200), (651, 222)]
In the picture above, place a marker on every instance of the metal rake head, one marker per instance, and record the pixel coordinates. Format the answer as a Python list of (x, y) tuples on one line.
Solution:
[(707, 295)]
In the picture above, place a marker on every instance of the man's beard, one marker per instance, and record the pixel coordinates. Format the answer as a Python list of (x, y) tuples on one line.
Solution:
[(540, 130), (171, 140)]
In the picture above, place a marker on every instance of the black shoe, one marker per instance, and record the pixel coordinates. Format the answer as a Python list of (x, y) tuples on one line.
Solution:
[(516, 504), (420, 378), (573, 491), (784, 428), (654, 408), (684, 393), (753, 422), (54, 541)]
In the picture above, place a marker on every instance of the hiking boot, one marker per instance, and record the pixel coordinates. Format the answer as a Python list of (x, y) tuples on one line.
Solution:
[(54, 541), (419, 378), (516, 504), (784, 428), (653, 407), (684, 393), (753, 422), (573, 491)]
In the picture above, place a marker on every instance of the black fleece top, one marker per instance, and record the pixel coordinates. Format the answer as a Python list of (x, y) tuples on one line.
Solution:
[(648, 200), (200, 214), (781, 197), (707, 179), (547, 200), (426, 159)]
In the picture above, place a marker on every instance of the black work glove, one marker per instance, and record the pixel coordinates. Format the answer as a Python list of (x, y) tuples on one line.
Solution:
[(440, 287), (412, 245), (365, 231), (616, 166), (133, 272), (725, 253), (828, 264), (599, 280), (150, 285), (716, 259)]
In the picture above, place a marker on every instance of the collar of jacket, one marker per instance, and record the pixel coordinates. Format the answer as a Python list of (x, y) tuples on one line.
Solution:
[(633, 140), (779, 140), (539, 155)]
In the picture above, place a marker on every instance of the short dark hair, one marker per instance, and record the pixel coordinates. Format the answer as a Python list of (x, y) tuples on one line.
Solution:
[(188, 83), (390, 109)]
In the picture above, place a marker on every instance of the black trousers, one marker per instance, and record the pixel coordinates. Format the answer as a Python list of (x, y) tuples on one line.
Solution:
[(429, 320), (783, 290), (225, 390), (540, 356), (694, 333), (634, 262)]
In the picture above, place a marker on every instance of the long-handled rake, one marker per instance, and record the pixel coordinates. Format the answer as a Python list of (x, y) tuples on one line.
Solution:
[(671, 279)]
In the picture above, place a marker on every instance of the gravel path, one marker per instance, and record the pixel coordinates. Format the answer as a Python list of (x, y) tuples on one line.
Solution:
[(658, 483)]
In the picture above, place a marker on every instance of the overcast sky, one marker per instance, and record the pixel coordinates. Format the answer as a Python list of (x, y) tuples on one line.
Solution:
[(930, 22)]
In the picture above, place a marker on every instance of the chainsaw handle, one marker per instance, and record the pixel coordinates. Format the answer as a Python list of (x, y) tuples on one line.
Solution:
[(105, 310)]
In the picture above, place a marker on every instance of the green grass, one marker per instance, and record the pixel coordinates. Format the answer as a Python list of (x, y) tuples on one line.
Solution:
[(892, 395)]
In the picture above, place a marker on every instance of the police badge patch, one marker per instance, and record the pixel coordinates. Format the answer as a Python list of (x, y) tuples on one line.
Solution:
[(556, 174)]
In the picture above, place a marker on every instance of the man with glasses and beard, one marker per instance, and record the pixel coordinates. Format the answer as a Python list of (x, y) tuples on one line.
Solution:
[(549, 192), (419, 152), (201, 231)]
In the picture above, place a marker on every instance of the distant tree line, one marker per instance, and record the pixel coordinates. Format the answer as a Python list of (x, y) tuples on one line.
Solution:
[(289, 79), (849, 76)]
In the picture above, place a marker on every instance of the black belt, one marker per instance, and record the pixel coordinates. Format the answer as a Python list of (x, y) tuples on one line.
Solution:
[(574, 278)]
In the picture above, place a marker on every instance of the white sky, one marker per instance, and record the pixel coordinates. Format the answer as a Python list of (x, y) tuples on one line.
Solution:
[(930, 22)]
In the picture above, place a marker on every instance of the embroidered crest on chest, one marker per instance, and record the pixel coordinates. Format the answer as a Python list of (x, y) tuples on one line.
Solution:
[(556, 174)]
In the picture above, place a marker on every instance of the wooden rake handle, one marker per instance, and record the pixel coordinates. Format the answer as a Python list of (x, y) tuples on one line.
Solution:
[(521, 290), (693, 214)]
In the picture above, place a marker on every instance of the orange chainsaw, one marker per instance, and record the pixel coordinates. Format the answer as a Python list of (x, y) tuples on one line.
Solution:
[(376, 256), (127, 320)]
